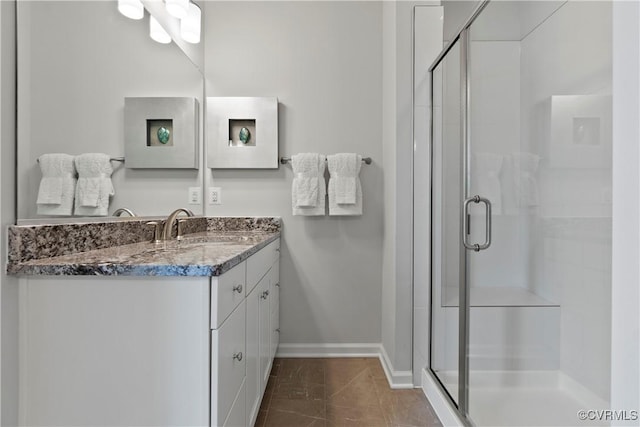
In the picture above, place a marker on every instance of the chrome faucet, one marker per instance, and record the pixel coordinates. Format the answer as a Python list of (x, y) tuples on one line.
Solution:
[(168, 225), (120, 211)]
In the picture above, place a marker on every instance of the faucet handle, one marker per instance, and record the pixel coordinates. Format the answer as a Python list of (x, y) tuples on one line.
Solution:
[(179, 232), (157, 231)]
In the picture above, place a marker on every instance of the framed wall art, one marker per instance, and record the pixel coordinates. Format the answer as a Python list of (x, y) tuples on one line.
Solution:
[(161, 133), (242, 132)]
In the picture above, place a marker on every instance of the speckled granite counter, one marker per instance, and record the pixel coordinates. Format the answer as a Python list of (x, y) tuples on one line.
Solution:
[(214, 246)]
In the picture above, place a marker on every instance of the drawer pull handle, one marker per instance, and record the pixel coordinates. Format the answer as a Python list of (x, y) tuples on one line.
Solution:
[(238, 356), (238, 289), (278, 284), (277, 249), (278, 330), (264, 295)]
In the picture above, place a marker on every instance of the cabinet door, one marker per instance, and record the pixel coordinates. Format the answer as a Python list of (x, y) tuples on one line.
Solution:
[(253, 383), (275, 307), (228, 364), (106, 350), (237, 414), (265, 332)]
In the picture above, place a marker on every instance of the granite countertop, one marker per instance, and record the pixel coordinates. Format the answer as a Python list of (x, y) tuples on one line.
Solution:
[(203, 253), (208, 253)]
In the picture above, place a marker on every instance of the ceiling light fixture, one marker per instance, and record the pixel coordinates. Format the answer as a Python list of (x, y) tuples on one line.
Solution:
[(157, 33), (190, 25), (177, 8), (132, 9)]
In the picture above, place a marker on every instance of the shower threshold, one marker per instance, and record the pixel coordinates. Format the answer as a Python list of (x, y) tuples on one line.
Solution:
[(526, 398)]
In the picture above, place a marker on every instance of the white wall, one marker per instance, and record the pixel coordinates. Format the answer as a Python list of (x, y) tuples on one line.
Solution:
[(389, 115), (78, 61), (8, 284), (397, 338), (323, 60), (625, 340)]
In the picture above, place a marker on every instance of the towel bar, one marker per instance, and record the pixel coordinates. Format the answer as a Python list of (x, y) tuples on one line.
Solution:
[(285, 160), (113, 159)]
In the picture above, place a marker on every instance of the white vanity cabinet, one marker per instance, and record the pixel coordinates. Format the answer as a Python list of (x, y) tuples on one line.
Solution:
[(235, 399), (144, 350), (262, 320), (116, 351)]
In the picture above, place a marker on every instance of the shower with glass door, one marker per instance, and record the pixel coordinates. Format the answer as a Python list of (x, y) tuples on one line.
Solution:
[(521, 213)]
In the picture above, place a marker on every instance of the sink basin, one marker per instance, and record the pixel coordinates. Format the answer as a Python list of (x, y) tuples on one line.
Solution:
[(190, 242)]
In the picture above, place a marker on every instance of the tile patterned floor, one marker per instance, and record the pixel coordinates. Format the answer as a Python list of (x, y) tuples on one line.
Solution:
[(350, 392)]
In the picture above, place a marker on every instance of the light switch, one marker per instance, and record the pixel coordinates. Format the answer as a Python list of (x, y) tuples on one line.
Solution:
[(195, 196)]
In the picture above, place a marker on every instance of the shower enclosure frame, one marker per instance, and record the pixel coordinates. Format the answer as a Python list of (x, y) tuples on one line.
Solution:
[(461, 36)]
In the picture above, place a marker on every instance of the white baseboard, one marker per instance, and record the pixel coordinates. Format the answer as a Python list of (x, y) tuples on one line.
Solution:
[(439, 402), (328, 350), (396, 379)]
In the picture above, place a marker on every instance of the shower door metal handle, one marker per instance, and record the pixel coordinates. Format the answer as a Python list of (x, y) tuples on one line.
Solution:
[(465, 233)]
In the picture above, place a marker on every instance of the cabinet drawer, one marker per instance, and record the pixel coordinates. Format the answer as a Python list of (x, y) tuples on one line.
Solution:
[(227, 291), (259, 263), (228, 364)]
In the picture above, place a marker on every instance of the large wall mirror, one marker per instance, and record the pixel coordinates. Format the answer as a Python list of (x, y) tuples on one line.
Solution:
[(77, 61)]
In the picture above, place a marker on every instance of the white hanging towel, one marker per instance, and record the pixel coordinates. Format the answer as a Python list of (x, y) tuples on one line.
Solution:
[(57, 187), (94, 184), (308, 190), (345, 190)]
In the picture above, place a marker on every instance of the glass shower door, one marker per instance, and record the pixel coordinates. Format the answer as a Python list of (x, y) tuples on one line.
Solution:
[(447, 261), (539, 148), (521, 214)]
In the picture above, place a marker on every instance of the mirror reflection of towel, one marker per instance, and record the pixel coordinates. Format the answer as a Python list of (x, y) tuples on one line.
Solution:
[(57, 187), (94, 185), (526, 166), (486, 169)]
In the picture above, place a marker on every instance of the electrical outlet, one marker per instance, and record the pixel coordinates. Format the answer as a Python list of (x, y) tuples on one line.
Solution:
[(215, 196), (195, 197)]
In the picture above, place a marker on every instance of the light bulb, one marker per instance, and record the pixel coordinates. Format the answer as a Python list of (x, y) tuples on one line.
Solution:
[(131, 8), (190, 25), (157, 33), (177, 8)]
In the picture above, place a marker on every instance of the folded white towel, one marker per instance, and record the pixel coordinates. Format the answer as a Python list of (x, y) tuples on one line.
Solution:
[(57, 187), (344, 169), (308, 190), (345, 189), (94, 184), (305, 180)]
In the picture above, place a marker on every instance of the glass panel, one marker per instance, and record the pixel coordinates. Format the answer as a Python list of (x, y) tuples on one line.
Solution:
[(447, 146), (539, 339)]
